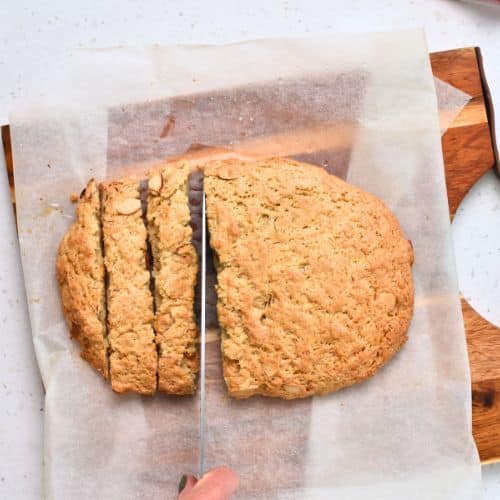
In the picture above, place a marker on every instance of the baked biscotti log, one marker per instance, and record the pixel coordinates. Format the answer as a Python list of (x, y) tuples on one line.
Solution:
[(175, 268), (133, 357), (315, 289), (80, 274)]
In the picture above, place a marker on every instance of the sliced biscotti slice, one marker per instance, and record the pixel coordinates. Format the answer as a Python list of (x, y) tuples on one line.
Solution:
[(315, 289), (133, 357), (80, 274), (174, 269)]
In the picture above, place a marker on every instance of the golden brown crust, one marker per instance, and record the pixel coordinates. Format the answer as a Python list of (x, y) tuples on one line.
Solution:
[(315, 290), (80, 274), (175, 268), (133, 358)]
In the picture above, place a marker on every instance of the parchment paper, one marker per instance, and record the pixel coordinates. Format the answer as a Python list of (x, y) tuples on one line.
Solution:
[(362, 106)]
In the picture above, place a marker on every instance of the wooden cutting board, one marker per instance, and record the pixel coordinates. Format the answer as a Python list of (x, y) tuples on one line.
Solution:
[(469, 151)]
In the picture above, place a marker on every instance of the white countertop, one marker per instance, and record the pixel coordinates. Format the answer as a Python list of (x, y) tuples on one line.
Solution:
[(33, 34)]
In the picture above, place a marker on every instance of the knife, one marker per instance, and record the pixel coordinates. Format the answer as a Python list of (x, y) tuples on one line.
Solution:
[(201, 464)]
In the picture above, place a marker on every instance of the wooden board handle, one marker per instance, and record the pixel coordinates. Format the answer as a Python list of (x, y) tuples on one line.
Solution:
[(468, 145)]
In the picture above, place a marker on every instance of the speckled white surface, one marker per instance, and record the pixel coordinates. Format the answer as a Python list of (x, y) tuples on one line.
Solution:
[(33, 36)]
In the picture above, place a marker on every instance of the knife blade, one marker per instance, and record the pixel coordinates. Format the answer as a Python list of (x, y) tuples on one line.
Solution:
[(201, 464)]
